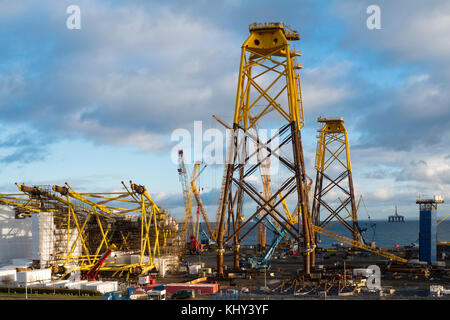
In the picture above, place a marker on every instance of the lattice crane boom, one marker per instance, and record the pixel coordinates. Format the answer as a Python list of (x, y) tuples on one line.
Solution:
[(187, 196)]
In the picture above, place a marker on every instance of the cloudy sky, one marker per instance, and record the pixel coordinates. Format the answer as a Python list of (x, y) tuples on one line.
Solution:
[(98, 105)]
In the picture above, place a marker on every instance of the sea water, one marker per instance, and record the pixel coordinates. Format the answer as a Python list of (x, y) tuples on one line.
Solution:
[(383, 233)]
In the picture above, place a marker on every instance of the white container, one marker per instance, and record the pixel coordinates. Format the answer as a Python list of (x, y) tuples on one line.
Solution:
[(8, 276), (135, 258), (75, 284), (123, 259), (43, 284), (34, 276), (102, 287), (60, 284), (156, 294)]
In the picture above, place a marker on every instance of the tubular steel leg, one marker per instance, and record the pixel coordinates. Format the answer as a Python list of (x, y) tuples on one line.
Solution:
[(302, 198)]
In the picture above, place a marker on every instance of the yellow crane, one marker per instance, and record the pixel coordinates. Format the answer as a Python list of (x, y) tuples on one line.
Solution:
[(346, 240), (440, 221), (358, 244), (190, 191), (187, 196), (195, 175)]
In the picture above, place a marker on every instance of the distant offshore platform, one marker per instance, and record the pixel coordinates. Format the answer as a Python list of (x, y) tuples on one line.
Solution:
[(396, 217)]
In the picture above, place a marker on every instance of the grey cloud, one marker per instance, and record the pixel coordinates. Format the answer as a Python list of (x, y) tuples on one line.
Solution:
[(128, 75), (25, 155), (24, 146), (415, 114), (410, 31), (424, 172)]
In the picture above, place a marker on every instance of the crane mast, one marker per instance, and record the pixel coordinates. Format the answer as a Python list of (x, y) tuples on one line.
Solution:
[(187, 196)]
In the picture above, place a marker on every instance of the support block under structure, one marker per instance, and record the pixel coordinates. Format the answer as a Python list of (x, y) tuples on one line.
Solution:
[(427, 231)]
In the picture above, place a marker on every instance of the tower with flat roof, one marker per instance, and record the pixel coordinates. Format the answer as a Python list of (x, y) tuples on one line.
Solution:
[(427, 228)]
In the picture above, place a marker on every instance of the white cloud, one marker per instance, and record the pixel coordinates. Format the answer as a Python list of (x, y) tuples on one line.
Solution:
[(382, 194), (323, 86)]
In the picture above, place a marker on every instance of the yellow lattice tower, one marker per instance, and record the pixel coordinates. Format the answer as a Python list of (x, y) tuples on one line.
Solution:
[(334, 183), (268, 88)]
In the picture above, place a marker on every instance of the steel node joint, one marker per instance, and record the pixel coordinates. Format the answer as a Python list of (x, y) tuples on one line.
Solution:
[(138, 188), (62, 190)]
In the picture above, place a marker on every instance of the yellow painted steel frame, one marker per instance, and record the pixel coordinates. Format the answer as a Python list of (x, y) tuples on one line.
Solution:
[(351, 242), (440, 221), (103, 206), (267, 83), (268, 47), (333, 149), (333, 133), (24, 203), (265, 48), (358, 244)]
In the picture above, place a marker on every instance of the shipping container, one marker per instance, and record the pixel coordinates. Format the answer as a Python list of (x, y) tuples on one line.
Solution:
[(57, 284), (34, 276), (100, 286), (75, 284)]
